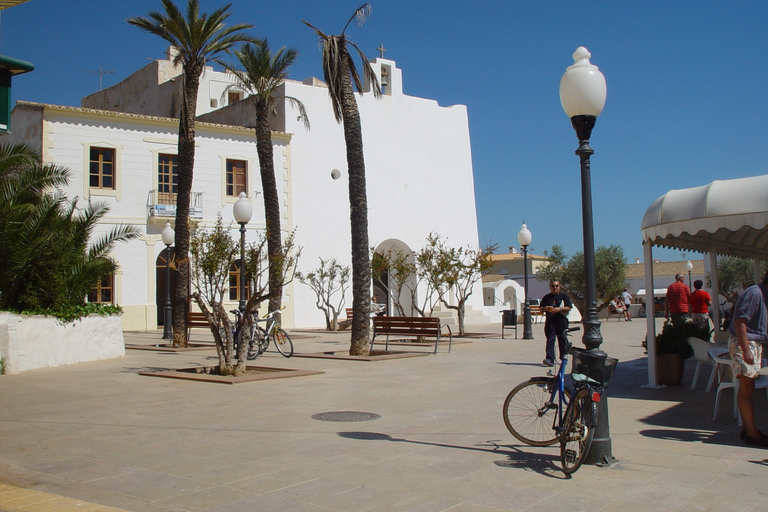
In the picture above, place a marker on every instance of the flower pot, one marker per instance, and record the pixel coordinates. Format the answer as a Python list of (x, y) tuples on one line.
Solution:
[(669, 369)]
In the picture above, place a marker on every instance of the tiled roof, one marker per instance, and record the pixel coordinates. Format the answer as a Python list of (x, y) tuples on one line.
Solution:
[(508, 256), (664, 268)]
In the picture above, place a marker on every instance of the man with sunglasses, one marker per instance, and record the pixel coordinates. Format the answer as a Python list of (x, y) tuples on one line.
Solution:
[(556, 305)]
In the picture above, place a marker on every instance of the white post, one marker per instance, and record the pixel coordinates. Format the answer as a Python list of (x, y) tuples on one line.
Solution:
[(715, 292), (650, 314)]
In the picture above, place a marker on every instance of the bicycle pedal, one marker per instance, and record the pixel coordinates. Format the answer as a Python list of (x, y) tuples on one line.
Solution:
[(570, 455)]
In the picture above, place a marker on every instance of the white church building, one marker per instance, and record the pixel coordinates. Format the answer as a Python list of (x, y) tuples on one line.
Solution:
[(121, 145)]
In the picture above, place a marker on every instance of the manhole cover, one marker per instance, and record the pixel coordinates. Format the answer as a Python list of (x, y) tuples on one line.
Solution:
[(346, 416)]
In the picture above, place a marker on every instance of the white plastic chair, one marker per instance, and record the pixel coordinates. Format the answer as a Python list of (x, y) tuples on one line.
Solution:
[(715, 352), (724, 358), (701, 353)]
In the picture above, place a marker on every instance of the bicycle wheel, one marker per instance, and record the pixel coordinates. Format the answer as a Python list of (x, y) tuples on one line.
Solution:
[(528, 414), (578, 430), (258, 342), (283, 342)]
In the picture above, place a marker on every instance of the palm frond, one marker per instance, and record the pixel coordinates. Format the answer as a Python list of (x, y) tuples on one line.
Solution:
[(361, 14)]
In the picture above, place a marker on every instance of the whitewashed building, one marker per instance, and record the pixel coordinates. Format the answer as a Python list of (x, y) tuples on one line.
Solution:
[(121, 145)]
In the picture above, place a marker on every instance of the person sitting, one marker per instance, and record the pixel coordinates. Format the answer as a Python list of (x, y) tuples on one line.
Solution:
[(617, 306)]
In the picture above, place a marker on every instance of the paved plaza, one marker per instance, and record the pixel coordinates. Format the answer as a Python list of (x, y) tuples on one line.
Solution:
[(98, 436)]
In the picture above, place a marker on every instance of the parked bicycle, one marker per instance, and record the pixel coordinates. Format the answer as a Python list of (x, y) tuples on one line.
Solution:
[(543, 410), (258, 340)]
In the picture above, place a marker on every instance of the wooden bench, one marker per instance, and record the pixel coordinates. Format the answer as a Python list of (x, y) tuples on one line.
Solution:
[(195, 319), (537, 315), (413, 326)]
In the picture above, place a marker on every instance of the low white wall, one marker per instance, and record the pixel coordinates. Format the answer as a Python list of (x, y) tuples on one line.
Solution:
[(31, 342)]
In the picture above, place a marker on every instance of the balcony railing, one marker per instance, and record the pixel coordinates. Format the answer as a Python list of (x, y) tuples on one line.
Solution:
[(163, 205)]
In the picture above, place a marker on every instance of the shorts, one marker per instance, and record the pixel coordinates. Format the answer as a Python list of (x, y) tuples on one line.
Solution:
[(740, 368)]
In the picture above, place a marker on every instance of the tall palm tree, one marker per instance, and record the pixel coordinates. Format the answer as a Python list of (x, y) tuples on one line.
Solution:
[(197, 38), (339, 71), (262, 75)]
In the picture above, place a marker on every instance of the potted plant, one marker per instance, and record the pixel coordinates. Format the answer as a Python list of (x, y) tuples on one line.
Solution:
[(672, 348)]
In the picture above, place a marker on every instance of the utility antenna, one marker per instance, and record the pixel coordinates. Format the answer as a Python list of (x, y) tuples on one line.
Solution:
[(101, 74)]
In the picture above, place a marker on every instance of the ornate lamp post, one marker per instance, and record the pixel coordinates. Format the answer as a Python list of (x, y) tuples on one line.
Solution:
[(689, 268), (242, 211), (168, 236), (524, 239), (582, 94)]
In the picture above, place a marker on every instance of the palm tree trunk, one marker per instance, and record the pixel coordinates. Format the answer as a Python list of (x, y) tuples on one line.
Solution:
[(358, 216), (186, 158), (271, 204)]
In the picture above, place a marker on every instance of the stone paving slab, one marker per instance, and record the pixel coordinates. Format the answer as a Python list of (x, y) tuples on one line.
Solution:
[(99, 435)]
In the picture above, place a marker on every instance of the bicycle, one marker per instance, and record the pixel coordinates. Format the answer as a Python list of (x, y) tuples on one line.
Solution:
[(543, 410), (260, 337)]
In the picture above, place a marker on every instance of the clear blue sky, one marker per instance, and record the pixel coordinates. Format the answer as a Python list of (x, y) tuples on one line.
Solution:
[(687, 100)]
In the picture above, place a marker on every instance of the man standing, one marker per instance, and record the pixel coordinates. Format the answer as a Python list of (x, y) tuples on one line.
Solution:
[(700, 302), (556, 305), (678, 299), (627, 301), (748, 330)]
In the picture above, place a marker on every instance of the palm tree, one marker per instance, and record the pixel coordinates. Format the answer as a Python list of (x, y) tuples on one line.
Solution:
[(339, 71), (261, 76), (197, 38), (49, 257)]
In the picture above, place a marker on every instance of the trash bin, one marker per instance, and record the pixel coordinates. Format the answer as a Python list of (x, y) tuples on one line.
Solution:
[(508, 321)]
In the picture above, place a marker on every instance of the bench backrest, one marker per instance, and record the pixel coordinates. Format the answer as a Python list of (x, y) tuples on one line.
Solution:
[(407, 325)]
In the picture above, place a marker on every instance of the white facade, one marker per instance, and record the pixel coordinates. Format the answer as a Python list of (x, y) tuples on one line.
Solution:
[(417, 156)]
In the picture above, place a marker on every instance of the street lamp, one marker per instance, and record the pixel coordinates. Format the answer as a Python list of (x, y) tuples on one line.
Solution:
[(689, 268), (582, 94), (168, 236), (524, 239), (242, 210)]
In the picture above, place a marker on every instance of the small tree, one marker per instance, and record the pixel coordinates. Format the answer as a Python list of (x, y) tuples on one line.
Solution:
[(610, 272), (463, 267), (212, 254), (328, 280), (735, 275), (431, 268)]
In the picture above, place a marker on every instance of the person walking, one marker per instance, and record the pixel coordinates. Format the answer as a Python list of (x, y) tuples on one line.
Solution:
[(748, 331), (556, 305), (700, 303), (627, 301), (678, 299)]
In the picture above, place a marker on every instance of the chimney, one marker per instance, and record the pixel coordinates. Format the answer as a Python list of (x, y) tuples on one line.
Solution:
[(637, 260), (512, 250)]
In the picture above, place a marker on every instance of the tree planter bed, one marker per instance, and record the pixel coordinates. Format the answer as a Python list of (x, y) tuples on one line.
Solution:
[(375, 355), (253, 373)]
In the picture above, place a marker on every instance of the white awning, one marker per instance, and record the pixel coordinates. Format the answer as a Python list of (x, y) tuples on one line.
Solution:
[(731, 215), (657, 292)]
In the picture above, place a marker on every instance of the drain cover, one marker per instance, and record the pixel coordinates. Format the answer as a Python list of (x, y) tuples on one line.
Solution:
[(346, 416)]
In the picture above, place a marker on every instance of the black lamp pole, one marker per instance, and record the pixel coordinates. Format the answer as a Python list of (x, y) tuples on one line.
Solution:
[(527, 331), (167, 236), (242, 267), (242, 211), (582, 93), (524, 238), (168, 314)]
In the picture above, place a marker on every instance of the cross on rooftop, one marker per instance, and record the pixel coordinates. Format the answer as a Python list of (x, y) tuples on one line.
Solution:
[(381, 50)]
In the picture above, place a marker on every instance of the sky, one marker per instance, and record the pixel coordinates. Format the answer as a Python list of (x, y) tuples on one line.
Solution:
[(686, 105)]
